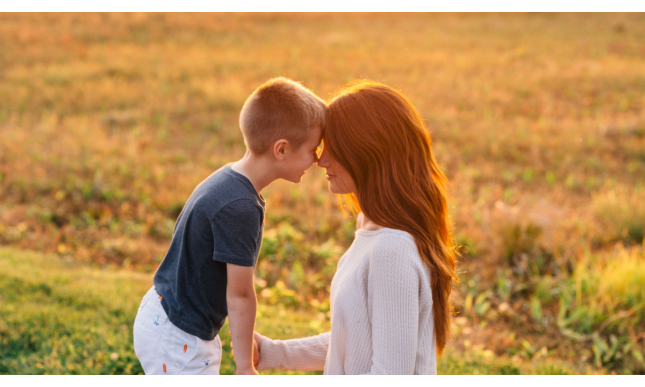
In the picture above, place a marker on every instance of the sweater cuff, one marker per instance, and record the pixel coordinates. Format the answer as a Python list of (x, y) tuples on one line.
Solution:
[(269, 358)]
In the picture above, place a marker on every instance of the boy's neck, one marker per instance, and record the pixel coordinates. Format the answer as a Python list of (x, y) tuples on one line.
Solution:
[(256, 169)]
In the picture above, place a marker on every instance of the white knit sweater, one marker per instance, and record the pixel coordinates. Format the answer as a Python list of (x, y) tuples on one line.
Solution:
[(381, 314)]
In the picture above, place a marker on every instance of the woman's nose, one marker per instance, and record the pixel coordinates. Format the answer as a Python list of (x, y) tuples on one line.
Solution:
[(323, 160)]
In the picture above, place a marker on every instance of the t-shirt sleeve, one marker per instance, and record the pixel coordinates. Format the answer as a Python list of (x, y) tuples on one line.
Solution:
[(236, 230)]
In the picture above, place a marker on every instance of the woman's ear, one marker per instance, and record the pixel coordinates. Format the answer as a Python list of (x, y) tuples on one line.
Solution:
[(280, 149)]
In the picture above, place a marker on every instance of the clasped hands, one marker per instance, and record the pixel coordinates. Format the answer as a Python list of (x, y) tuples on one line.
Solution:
[(257, 344)]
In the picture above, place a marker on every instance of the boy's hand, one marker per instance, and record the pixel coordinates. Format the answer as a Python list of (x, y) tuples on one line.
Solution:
[(249, 371), (257, 343)]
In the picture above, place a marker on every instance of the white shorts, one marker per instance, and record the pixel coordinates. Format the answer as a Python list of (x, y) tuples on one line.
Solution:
[(164, 349)]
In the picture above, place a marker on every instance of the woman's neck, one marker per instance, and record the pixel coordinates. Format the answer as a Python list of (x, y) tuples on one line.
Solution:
[(364, 223)]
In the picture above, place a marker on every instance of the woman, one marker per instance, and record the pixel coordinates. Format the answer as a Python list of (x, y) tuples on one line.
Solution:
[(390, 307)]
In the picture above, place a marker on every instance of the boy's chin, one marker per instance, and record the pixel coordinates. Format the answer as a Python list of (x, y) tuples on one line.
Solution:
[(294, 180)]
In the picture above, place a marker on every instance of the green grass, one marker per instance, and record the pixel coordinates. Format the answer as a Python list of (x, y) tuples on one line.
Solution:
[(57, 317), (480, 362), (622, 212), (537, 120), (604, 303), (62, 317)]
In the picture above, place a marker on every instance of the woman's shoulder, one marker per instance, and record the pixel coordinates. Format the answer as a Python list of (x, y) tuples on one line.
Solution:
[(388, 242), (393, 254), (391, 235)]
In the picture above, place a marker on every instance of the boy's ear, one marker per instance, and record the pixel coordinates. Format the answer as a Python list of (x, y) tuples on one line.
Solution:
[(280, 149)]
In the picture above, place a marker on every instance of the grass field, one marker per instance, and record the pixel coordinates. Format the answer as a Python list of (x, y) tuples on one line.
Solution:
[(72, 319), (109, 121)]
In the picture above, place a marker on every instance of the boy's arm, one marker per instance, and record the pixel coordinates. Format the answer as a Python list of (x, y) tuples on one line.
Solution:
[(242, 306)]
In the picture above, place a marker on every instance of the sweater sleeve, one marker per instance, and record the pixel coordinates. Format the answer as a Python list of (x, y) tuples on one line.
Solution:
[(393, 304), (306, 354)]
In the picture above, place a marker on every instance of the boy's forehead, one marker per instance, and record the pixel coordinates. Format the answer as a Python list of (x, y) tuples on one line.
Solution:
[(316, 134)]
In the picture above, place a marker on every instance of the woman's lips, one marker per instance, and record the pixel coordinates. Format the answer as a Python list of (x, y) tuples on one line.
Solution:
[(329, 176)]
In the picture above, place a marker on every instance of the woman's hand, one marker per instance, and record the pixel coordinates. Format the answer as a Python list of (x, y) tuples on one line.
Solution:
[(257, 344)]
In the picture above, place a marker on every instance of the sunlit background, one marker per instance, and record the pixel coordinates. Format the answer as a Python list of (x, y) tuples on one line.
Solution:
[(109, 121)]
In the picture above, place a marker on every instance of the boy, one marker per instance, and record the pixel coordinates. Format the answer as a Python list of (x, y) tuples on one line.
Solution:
[(207, 273)]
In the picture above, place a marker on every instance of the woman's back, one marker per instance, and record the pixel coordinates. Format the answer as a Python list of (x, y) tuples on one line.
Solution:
[(381, 308), (381, 314)]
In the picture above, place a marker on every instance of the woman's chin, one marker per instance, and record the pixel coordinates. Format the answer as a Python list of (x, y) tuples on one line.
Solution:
[(335, 190)]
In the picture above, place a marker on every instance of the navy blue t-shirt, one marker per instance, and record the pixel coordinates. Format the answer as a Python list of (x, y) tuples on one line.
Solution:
[(221, 223)]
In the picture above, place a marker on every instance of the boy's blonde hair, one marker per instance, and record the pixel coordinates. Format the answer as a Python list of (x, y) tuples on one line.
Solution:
[(280, 108)]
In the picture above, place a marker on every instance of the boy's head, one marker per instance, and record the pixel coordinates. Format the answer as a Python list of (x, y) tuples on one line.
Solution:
[(284, 119)]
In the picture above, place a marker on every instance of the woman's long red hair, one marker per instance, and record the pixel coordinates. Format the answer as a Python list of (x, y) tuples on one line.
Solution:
[(376, 134)]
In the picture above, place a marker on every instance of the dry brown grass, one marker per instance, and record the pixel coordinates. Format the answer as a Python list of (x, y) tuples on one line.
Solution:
[(108, 122)]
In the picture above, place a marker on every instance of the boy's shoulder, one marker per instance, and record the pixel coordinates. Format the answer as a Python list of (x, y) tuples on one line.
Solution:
[(223, 188)]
